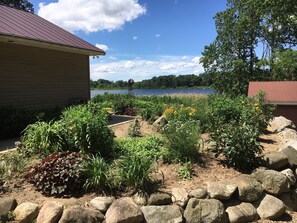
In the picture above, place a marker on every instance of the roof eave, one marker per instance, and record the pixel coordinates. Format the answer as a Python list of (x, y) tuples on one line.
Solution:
[(49, 45)]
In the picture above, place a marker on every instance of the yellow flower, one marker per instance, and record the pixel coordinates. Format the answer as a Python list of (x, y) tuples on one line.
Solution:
[(248, 104), (256, 105), (175, 113), (242, 102)]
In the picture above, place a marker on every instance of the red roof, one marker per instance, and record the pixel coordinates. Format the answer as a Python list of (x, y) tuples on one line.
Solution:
[(279, 92), (31, 27)]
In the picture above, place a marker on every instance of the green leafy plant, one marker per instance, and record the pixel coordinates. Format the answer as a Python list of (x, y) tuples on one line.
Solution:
[(58, 174), (186, 170), (96, 171), (87, 129), (135, 171), (239, 144), (182, 139), (44, 138)]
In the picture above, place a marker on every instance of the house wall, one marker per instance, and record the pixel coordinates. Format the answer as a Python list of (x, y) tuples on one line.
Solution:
[(288, 111), (35, 78)]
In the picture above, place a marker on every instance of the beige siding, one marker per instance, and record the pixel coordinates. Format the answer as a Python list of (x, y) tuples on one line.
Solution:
[(35, 78)]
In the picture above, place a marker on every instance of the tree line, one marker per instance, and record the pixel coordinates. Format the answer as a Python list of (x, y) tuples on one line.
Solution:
[(168, 81)]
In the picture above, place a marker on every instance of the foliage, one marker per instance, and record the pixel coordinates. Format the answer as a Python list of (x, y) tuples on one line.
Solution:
[(232, 59), (134, 129), (150, 146), (58, 174), (96, 172), (24, 5), (12, 164), (87, 129), (182, 139), (235, 126), (44, 138), (81, 128), (186, 171), (238, 142), (250, 110), (285, 66), (135, 171)]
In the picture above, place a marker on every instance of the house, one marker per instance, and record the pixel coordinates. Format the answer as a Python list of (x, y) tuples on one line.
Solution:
[(283, 94), (41, 65)]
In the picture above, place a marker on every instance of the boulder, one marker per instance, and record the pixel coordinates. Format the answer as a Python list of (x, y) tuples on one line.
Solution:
[(290, 176), (160, 198), (221, 190), (199, 193), (101, 203), (272, 181), (292, 143), (288, 134), (249, 189), (180, 196), (280, 123), (79, 214), (26, 212), (124, 210), (205, 211), (270, 207), (140, 199), (7, 204), (160, 122), (276, 160), (50, 212), (242, 213), (291, 153), (290, 199), (162, 214)]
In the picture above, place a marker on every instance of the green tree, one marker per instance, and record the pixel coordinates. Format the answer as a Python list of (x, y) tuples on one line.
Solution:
[(24, 5), (241, 28), (285, 65)]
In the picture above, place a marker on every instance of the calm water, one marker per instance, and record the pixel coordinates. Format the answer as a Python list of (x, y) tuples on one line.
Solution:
[(154, 91)]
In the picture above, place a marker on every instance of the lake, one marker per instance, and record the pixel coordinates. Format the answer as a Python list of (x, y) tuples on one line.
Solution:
[(139, 92)]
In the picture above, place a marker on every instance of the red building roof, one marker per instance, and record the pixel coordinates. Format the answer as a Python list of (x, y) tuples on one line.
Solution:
[(277, 92), (26, 28)]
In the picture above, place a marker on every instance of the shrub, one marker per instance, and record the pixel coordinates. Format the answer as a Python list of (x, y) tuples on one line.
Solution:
[(96, 172), (87, 129), (182, 138), (44, 138), (135, 171), (238, 143), (58, 174)]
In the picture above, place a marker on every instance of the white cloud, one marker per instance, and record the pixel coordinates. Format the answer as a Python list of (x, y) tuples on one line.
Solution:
[(135, 37), (102, 47), (140, 69), (91, 15), (157, 35), (196, 59), (113, 58)]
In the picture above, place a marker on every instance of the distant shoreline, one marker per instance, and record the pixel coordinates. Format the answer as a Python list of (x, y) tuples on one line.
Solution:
[(198, 87)]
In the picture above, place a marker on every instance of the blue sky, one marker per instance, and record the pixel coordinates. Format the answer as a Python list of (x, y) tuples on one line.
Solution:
[(142, 38)]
